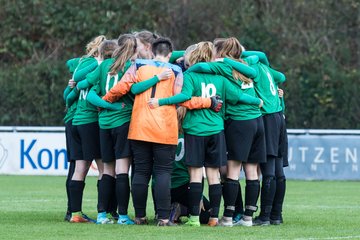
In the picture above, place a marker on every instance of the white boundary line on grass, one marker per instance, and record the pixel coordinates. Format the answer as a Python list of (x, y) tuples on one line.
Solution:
[(330, 238)]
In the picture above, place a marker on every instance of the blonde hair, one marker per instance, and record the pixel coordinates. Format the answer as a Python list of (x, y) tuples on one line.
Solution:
[(92, 48), (231, 48), (181, 112), (203, 52), (126, 49), (188, 50), (107, 48)]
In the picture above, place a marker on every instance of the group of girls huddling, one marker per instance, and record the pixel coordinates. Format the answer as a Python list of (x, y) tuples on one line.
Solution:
[(172, 116)]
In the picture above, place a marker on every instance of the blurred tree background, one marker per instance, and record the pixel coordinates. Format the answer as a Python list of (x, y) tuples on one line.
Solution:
[(315, 43)]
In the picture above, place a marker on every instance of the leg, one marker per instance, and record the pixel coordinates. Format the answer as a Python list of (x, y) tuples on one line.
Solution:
[(106, 192), (252, 190), (215, 191), (77, 186), (123, 189), (143, 165), (231, 188), (164, 156), (268, 189), (276, 211)]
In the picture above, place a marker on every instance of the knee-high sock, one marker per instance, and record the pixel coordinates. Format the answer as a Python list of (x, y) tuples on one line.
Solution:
[(76, 192), (122, 192), (252, 190), (230, 192)]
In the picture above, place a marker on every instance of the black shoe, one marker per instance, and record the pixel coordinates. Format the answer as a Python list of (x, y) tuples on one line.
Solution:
[(141, 221), (275, 222), (162, 223), (260, 222), (115, 215), (67, 217)]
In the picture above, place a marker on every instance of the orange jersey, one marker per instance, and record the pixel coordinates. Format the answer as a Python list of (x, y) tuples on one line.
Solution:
[(157, 125)]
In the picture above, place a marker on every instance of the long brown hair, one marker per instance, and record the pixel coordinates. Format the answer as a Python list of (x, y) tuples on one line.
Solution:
[(146, 37), (181, 112), (107, 48), (203, 52), (92, 48), (231, 48), (126, 49)]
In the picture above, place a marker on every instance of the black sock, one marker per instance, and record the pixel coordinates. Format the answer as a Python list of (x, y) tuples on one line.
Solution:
[(279, 198), (122, 192), (230, 192), (215, 191), (195, 194), (139, 194), (252, 190), (68, 179), (76, 192), (267, 196), (106, 187), (205, 214), (239, 205), (113, 204)]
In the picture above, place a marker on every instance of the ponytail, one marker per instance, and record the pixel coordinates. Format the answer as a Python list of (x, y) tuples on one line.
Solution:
[(231, 48), (127, 49), (204, 52), (92, 48)]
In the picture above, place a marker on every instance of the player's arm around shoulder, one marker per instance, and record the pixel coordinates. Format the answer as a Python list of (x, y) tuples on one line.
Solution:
[(123, 86)]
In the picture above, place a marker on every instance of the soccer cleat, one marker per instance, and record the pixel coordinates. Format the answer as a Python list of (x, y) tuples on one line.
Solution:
[(67, 217), (260, 222), (226, 222), (88, 218), (78, 218), (141, 221), (213, 222), (125, 220), (243, 222), (175, 212), (114, 215), (193, 221), (163, 223), (275, 221), (103, 219), (237, 217)]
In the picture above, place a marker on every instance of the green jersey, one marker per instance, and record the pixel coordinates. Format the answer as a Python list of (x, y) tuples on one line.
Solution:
[(180, 175), (70, 111), (236, 111), (205, 122), (103, 82), (85, 111), (265, 87)]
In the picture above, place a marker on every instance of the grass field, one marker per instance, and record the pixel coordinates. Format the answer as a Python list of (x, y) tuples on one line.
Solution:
[(33, 207)]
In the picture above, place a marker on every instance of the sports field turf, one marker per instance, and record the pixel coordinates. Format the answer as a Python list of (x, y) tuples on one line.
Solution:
[(33, 207)]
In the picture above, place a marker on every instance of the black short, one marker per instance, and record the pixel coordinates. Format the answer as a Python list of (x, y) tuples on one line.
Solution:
[(205, 151), (274, 127), (245, 140), (69, 140), (114, 143), (86, 144), (283, 149)]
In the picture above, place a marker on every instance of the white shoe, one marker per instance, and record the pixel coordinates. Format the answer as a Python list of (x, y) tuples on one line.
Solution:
[(226, 222), (242, 222)]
